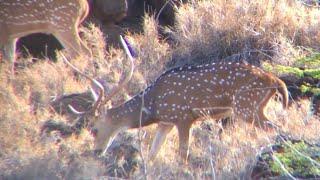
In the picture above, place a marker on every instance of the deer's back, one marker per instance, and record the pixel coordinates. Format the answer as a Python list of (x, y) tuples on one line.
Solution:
[(178, 91)]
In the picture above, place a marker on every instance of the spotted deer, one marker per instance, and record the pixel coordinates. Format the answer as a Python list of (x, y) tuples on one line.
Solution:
[(19, 18), (178, 97)]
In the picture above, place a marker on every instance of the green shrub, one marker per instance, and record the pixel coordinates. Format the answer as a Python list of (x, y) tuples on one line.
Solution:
[(299, 159)]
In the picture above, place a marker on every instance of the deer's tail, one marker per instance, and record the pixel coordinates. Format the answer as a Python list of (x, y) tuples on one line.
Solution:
[(282, 88)]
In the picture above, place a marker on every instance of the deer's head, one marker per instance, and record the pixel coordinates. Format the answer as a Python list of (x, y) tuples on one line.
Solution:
[(101, 125)]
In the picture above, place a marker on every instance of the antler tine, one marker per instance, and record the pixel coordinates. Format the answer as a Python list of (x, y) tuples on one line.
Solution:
[(94, 81), (127, 79), (100, 86)]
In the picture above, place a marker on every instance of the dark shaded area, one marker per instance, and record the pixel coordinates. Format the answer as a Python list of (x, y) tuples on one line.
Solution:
[(64, 129), (294, 83), (109, 11), (39, 45), (164, 9), (79, 101), (122, 161)]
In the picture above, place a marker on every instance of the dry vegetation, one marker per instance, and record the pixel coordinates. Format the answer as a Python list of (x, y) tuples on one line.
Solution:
[(277, 31)]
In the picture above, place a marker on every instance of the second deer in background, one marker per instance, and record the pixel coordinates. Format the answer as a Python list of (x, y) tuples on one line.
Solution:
[(60, 18)]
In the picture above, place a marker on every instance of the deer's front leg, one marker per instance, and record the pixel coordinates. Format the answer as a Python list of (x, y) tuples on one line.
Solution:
[(184, 133), (161, 134)]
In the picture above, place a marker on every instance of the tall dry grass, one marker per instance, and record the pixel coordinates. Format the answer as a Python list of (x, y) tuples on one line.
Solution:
[(205, 30), (253, 30)]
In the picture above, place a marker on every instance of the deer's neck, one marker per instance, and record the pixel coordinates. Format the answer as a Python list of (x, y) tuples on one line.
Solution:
[(134, 113)]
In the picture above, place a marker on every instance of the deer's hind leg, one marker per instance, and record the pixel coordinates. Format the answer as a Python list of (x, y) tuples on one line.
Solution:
[(260, 116), (244, 106), (250, 105)]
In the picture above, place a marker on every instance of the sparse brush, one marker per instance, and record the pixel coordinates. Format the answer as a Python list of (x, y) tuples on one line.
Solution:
[(253, 30)]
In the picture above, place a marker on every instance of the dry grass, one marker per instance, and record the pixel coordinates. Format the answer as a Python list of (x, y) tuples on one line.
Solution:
[(205, 30), (253, 30), (234, 154)]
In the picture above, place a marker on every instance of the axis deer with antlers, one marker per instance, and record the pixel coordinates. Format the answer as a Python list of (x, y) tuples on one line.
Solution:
[(19, 18), (178, 98)]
